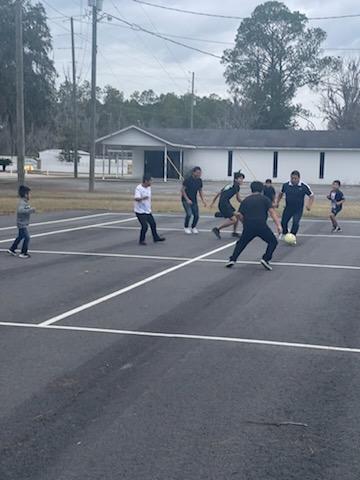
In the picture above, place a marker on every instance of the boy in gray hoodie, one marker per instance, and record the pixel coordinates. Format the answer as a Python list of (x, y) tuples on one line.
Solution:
[(24, 210)]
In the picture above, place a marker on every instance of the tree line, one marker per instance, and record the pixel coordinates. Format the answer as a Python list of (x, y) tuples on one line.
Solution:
[(275, 54)]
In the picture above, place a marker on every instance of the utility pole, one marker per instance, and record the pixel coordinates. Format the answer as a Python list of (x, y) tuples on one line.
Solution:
[(20, 123), (95, 4), (192, 100), (75, 133)]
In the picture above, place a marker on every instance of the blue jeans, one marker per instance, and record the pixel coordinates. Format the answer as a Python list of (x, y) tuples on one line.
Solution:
[(22, 235), (296, 215), (191, 211)]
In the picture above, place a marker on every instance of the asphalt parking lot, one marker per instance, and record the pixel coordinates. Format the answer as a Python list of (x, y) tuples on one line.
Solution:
[(126, 362)]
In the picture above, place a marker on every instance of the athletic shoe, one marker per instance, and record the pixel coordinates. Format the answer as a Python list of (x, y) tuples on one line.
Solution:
[(160, 239), (230, 264), (236, 235), (11, 252), (195, 230), (24, 255), (266, 264), (216, 232), (142, 243), (333, 229), (338, 229), (188, 231)]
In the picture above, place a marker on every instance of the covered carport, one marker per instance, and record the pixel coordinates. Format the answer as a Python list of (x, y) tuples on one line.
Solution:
[(150, 154)]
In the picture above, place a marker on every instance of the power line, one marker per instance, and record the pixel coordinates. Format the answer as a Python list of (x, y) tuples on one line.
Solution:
[(55, 9), (191, 12), (233, 17), (152, 54), (135, 27), (197, 39), (165, 43)]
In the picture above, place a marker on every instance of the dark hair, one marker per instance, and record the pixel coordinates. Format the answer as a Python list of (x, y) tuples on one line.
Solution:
[(239, 175), (268, 180), (257, 187), (338, 182), (23, 190), (295, 172), (146, 178), (195, 169)]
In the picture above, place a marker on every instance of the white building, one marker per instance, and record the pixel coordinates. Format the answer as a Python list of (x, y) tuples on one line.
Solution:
[(321, 156)]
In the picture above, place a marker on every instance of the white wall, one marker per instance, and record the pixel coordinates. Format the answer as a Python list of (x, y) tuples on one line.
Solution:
[(138, 163), (258, 164), (50, 163), (133, 138), (212, 162), (344, 166)]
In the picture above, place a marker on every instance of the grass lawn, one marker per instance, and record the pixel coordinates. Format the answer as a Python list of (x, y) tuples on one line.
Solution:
[(48, 199)]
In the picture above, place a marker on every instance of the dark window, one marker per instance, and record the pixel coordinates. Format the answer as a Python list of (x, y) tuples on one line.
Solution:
[(275, 164), (230, 163), (322, 165)]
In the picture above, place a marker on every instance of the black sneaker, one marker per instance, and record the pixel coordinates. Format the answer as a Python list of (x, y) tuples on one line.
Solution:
[(230, 264), (236, 235), (216, 232), (142, 243), (24, 255), (11, 252), (266, 264), (338, 229), (333, 229), (160, 239)]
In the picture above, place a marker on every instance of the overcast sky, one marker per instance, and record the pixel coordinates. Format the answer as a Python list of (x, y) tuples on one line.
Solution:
[(131, 60)]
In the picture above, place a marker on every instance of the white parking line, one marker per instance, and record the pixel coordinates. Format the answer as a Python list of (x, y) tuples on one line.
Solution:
[(304, 219), (184, 259), (207, 230), (184, 336), (62, 220), (66, 230), (146, 280)]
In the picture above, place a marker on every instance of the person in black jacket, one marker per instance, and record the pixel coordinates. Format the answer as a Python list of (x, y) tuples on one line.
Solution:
[(295, 192), (269, 190), (225, 207), (337, 199), (254, 212), (192, 188)]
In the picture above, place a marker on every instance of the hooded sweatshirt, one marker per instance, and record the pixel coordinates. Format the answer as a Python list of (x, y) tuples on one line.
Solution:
[(24, 210)]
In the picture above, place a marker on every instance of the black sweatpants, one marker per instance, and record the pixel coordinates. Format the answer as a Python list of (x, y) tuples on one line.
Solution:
[(146, 219), (249, 233), (291, 213)]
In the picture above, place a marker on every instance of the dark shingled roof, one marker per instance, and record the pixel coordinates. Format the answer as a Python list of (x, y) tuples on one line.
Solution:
[(318, 139)]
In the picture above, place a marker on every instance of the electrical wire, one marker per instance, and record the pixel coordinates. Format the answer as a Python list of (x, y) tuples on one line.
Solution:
[(165, 43), (137, 27), (234, 17), (135, 30)]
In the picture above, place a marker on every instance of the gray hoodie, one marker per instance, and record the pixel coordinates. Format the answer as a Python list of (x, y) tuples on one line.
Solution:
[(24, 210)]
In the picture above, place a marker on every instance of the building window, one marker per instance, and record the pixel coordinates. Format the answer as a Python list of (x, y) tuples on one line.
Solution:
[(230, 163), (322, 165), (275, 164)]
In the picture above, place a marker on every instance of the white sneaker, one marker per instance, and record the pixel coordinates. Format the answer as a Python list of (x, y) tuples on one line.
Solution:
[(188, 231), (195, 230)]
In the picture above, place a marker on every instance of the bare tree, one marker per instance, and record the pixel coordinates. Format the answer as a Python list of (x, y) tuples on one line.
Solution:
[(341, 95)]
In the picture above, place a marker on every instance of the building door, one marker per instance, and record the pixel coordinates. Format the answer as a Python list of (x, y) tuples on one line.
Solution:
[(154, 163)]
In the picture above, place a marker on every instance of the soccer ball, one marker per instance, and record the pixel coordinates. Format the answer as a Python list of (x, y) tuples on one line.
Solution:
[(290, 239)]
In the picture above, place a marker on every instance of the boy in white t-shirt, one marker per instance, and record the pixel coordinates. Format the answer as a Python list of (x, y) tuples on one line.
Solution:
[(142, 208)]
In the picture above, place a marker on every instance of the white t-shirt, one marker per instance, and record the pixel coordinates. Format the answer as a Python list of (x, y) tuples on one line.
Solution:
[(145, 205)]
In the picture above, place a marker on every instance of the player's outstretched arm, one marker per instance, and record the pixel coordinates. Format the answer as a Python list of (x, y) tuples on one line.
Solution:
[(184, 195), (214, 199), (310, 202), (276, 219), (278, 200), (202, 198)]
